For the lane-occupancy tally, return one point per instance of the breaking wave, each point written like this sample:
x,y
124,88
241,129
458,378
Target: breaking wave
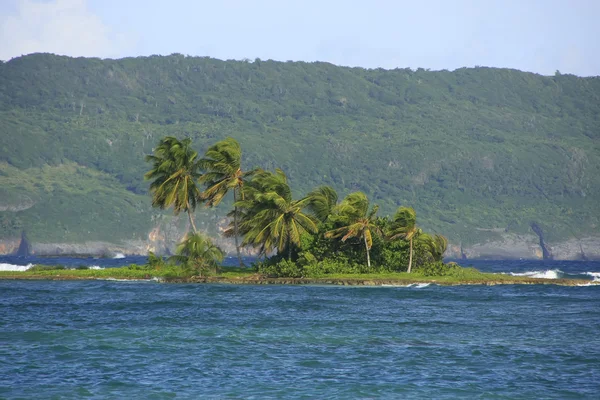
x,y
419,285
595,275
547,274
13,267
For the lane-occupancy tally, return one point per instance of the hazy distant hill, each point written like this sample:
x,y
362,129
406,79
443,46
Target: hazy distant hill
x,y
477,152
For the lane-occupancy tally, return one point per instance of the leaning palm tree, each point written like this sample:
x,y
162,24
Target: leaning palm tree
x,y
198,254
404,225
353,213
223,172
433,246
272,219
322,201
175,173
440,244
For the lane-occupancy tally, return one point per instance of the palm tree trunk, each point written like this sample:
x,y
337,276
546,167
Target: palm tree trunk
x,y
410,256
189,212
367,247
235,230
289,249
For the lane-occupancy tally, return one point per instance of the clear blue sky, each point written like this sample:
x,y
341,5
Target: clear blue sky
x,y
533,35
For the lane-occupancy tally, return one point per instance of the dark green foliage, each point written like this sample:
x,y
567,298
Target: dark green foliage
x,y
436,268
475,151
197,254
175,173
137,267
280,268
39,267
156,262
222,166
270,219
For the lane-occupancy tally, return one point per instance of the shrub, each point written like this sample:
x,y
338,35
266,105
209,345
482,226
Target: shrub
x,y
38,268
281,269
136,267
156,262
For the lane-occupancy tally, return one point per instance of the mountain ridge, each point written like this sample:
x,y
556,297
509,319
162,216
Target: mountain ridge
x,y
469,149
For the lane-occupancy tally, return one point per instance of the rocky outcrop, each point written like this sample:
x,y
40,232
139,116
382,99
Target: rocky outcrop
x,y
9,246
169,230
546,252
513,246
24,247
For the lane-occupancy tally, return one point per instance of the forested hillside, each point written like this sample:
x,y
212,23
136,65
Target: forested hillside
x,y
476,151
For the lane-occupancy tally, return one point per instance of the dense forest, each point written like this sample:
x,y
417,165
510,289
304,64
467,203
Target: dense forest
x,y
475,151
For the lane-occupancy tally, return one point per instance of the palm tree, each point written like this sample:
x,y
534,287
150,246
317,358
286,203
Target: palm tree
x,y
223,172
353,212
197,253
271,218
175,171
436,245
322,201
404,225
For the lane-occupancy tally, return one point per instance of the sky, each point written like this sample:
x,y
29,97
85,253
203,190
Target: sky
x,y
540,36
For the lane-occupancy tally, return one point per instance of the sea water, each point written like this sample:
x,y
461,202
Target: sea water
x,y
106,339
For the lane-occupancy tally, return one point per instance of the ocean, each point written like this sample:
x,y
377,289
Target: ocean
x,y
112,339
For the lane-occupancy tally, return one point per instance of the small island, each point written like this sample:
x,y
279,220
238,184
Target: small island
x,y
315,239
248,276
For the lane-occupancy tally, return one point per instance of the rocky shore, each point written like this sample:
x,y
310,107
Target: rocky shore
x,y
165,237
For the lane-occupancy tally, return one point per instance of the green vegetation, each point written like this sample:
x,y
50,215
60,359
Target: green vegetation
x,y
358,222
222,165
305,242
197,255
175,170
405,226
270,218
229,275
476,151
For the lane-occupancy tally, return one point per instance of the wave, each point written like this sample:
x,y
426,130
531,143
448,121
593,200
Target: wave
x,y
547,274
410,285
419,285
119,255
95,267
13,267
595,276
130,280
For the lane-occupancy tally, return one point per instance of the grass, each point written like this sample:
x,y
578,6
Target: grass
x,y
115,273
462,276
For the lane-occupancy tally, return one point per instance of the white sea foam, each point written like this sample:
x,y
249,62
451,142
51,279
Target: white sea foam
x,y
119,255
419,285
13,267
95,267
126,280
594,275
547,274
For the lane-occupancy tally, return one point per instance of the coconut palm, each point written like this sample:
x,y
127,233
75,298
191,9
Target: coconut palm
x,y
175,173
353,213
404,225
271,218
440,244
322,201
435,245
223,172
197,253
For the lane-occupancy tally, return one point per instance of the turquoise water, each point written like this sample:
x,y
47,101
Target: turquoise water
x,y
107,339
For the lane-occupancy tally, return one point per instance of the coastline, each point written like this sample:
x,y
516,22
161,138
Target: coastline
x,y
496,279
